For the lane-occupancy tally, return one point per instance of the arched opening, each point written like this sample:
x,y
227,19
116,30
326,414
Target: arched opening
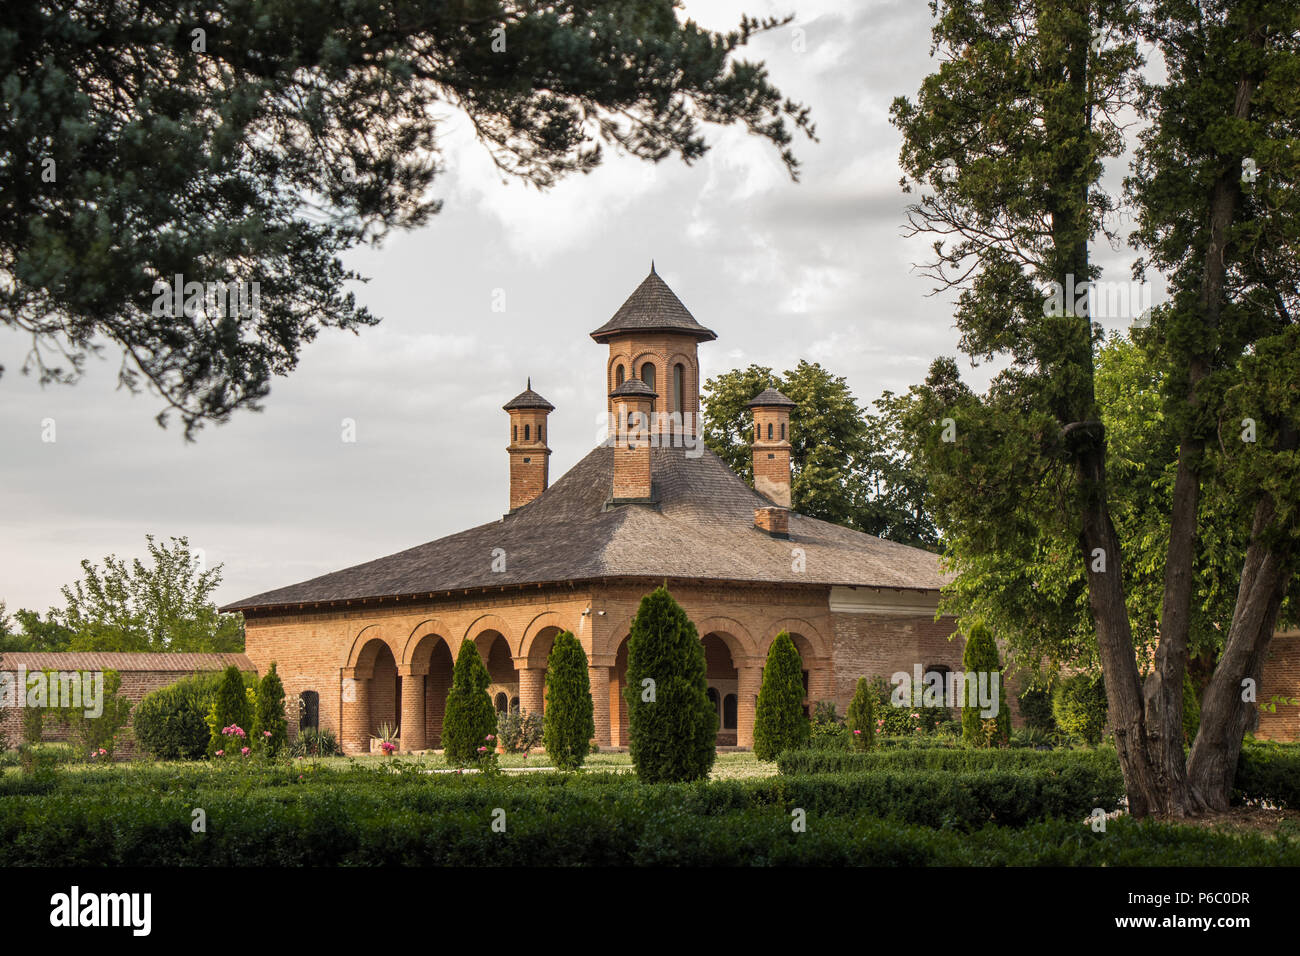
x,y
783,431
723,679
729,712
769,431
679,387
527,428
648,376
433,652
717,704
309,710
514,433
385,690
501,703
618,375
539,651
503,679
805,649
617,705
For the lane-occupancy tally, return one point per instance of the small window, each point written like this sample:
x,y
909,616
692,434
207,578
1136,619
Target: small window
x,y
679,378
526,429
769,431
648,376
308,710
540,426
783,431
501,703
514,433
618,376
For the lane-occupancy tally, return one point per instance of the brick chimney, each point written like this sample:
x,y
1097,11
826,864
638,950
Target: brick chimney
x,y
529,456
632,402
771,447
775,521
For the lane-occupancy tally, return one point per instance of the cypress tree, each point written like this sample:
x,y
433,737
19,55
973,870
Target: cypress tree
x,y
570,713
672,727
469,716
779,721
981,657
269,714
862,716
230,708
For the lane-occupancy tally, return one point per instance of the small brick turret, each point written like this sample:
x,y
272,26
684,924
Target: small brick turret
x,y
631,439
771,447
529,455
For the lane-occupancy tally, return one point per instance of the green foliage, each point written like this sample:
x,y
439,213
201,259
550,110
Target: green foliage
x,y
672,726
170,723
92,734
160,607
779,721
1036,708
570,713
469,716
230,708
311,742
520,732
862,716
826,729
270,727
847,465
1079,706
981,657
298,131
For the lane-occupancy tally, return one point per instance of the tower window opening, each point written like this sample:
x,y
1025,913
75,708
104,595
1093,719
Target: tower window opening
x,y
679,377
648,376
769,430
526,430
783,431
618,376
514,433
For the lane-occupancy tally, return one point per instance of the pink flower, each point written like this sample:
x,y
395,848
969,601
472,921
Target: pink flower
x,y
857,731
266,733
93,754
481,749
221,753
244,751
103,752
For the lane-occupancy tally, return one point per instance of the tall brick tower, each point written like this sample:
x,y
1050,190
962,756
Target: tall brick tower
x,y
654,338
529,455
771,447
632,401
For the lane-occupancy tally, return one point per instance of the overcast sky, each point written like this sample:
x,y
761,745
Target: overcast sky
x,y
781,271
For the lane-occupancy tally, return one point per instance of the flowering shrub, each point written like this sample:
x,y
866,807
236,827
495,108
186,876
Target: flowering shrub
x,y
233,738
487,755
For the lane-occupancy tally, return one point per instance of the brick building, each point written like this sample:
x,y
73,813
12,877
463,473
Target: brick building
x,y
375,643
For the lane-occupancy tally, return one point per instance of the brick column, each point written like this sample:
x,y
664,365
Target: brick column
x,y
750,679
411,716
599,674
436,687
356,728
532,685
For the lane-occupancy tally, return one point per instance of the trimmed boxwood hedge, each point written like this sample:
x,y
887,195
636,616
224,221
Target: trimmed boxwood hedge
x,y
272,817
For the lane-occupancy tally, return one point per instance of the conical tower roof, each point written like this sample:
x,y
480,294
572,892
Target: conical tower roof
x,y
653,307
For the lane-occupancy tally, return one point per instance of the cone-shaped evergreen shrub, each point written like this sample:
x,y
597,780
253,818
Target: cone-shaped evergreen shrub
x,y
230,708
779,721
672,726
269,714
570,714
981,658
469,716
1079,705
861,718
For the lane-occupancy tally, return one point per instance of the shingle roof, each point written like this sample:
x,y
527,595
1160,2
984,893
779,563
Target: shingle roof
x,y
634,386
121,661
702,527
770,398
653,307
528,399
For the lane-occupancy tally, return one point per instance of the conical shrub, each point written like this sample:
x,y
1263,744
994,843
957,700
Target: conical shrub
x,y
861,717
779,721
469,716
570,714
981,657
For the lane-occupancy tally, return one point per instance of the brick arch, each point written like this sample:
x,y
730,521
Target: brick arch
x,y
488,622
538,624
795,625
358,654
614,361
734,634
615,637
433,626
690,385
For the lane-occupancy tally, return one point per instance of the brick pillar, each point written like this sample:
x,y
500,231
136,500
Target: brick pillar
x,y
599,674
356,711
411,716
750,678
532,685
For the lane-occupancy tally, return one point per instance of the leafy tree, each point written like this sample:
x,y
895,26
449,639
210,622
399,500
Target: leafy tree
x,y
980,657
38,635
90,734
170,723
230,708
570,714
779,721
469,716
130,606
268,714
847,465
862,715
1029,462
222,142
672,726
